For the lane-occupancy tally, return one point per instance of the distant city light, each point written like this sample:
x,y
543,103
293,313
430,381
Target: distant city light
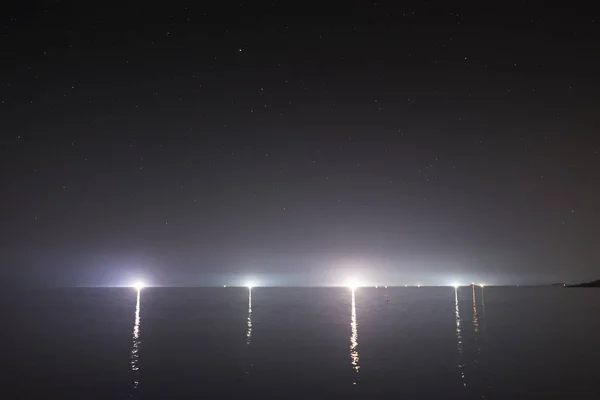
x,y
481,285
249,285
139,285
456,285
418,285
224,285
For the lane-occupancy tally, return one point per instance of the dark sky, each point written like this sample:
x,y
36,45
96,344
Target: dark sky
x,y
184,144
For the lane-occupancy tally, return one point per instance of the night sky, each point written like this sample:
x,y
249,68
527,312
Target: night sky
x,y
298,144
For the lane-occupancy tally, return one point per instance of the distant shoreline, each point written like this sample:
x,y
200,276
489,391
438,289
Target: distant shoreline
x,y
592,284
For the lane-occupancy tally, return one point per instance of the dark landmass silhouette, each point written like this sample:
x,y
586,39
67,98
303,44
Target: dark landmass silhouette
x,y
595,283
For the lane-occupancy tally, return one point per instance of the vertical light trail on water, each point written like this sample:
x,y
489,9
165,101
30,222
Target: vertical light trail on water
x,y
475,317
459,342
477,369
135,348
483,305
249,323
354,339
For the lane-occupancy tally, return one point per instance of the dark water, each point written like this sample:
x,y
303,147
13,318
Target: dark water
x,y
303,343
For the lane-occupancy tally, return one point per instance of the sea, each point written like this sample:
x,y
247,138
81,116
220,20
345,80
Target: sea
x,y
302,343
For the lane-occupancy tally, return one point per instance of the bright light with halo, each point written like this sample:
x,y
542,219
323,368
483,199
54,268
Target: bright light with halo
x,y
352,283
139,285
456,285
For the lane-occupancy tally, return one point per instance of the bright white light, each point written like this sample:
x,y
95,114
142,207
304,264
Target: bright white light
x,y
481,284
352,283
456,285
419,285
139,285
249,285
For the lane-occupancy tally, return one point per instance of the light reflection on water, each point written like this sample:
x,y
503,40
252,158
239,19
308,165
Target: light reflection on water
x,y
193,344
478,340
483,305
135,348
249,322
354,339
475,318
459,341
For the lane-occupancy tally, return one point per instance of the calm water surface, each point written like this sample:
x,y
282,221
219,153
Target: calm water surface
x,y
304,343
